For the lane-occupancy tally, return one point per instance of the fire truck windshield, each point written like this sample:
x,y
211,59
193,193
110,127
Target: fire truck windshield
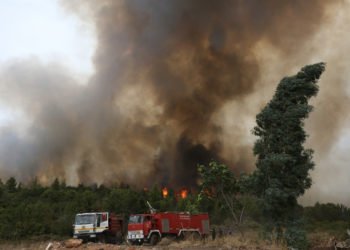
x,y
134,219
85,219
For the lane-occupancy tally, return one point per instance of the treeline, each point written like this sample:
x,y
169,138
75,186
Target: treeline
x,y
34,210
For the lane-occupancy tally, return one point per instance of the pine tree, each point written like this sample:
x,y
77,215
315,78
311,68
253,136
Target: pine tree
x,y
11,185
283,164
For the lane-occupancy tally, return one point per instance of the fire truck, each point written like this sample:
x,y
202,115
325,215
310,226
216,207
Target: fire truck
x,y
99,226
151,228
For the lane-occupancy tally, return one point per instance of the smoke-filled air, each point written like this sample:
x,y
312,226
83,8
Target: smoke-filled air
x,y
176,84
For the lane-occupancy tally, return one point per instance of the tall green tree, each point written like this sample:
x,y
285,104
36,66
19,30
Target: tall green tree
x,y
283,163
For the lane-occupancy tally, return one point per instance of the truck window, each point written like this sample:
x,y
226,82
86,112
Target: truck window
x,y
84,219
134,219
104,217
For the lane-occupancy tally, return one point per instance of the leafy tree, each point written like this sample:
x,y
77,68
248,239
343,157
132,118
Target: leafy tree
x,y
154,196
283,164
124,201
218,182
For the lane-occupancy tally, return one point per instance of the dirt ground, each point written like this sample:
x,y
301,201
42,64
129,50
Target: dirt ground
x,y
100,246
229,242
224,243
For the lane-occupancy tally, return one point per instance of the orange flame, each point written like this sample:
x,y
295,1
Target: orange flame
x,y
210,194
184,193
145,189
165,192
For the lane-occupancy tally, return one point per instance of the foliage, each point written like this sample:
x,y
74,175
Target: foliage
x,y
36,211
327,212
295,236
283,164
218,183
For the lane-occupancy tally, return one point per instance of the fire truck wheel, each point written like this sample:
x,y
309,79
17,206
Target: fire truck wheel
x,y
118,239
196,236
154,239
181,237
136,243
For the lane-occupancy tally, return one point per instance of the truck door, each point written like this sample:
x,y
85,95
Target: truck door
x,y
104,221
147,225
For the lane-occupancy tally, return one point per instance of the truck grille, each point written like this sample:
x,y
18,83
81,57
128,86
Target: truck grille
x,y
138,234
83,231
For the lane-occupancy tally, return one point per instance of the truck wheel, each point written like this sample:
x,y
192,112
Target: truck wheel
x,y
136,243
181,237
196,236
118,239
154,239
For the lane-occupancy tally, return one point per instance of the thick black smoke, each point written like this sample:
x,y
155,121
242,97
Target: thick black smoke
x,y
164,71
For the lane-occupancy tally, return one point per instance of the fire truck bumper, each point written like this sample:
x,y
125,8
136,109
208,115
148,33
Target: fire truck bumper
x,y
135,237
84,236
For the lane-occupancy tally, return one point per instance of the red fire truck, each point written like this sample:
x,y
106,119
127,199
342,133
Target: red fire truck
x,y
154,226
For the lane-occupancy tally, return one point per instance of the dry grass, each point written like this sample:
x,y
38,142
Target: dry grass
x,y
251,240
320,240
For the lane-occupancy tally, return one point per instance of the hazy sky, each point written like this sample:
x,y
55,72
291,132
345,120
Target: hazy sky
x,y
42,29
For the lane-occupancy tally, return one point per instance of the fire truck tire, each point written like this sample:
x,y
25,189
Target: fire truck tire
x,y
196,236
118,239
181,237
154,239
136,243
185,235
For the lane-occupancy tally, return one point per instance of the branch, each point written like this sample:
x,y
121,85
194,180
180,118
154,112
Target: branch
x,y
229,205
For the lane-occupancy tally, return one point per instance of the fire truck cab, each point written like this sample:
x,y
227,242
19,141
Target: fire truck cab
x,y
99,226
152,228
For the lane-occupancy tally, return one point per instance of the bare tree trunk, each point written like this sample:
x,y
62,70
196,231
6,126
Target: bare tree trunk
x,y
230,205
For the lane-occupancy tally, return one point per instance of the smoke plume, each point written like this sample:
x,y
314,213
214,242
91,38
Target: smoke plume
x,y
177,83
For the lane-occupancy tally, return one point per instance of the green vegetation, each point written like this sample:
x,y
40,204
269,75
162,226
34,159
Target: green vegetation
x,y
33,210
283,164
219,185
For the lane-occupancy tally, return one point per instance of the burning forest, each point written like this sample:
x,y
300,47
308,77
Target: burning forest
x,y
175,84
